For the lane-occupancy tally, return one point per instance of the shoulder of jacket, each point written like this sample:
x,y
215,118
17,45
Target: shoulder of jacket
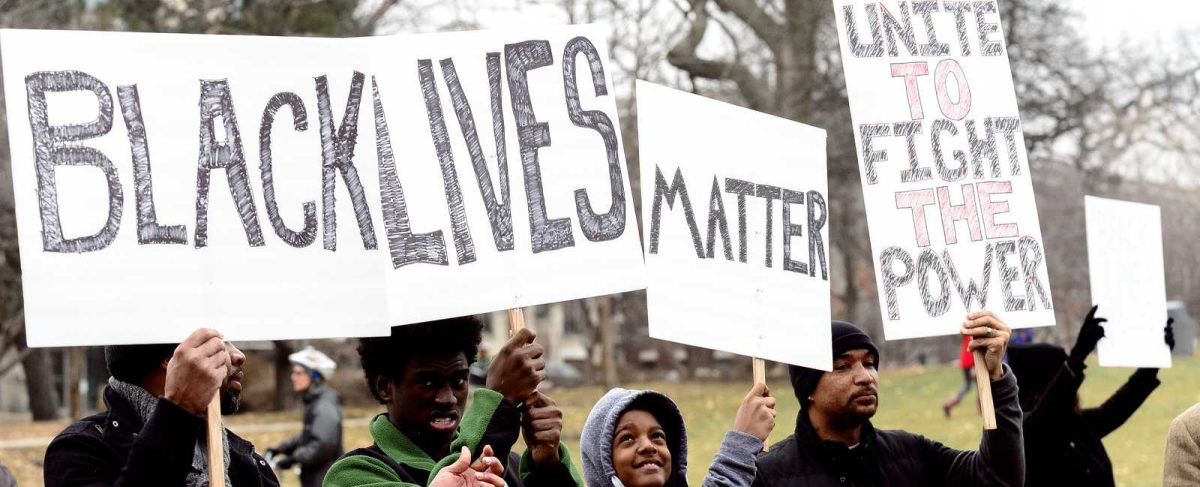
x,y
900,439
1188,420
1192,414
84,437
91,426
781,453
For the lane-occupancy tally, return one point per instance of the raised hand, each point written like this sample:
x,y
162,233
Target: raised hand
x,y
756,415
990,335
1169,333
196,370
542,425
517,370
1090,334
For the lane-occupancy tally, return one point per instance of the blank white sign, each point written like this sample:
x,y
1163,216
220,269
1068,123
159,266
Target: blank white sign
x,y
1125,262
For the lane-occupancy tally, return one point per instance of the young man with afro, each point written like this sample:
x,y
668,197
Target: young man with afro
x,y
420,373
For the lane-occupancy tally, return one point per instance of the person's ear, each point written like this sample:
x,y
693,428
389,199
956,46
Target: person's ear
x,y
383,386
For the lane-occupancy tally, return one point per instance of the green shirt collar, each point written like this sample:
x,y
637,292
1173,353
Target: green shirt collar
x,y
398,446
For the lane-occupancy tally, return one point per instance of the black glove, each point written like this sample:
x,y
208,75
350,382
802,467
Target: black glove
x,y
1090,334
1169,331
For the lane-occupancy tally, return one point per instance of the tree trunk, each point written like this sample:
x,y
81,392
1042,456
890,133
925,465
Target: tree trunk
x,y
97,377
283,372
74,376
608,341
39,384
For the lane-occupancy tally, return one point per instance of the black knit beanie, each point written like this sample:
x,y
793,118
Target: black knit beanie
x,y
846,337
132,363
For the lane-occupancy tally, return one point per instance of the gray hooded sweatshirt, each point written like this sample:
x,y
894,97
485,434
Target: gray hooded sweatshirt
x,y
732,467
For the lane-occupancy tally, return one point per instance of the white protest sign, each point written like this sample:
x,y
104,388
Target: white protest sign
x,y
942,159
1125,264
564,226
112,255
261,145
735,223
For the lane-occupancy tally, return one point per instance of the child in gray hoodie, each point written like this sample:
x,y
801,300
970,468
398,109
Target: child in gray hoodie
x,y
638,439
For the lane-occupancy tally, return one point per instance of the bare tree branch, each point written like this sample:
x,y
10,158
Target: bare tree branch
x,y
17,361
766,28
683,56
368,25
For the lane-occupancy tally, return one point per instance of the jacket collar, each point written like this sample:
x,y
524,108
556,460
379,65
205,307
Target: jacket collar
x,y
835,457
398,446
121,424
314,391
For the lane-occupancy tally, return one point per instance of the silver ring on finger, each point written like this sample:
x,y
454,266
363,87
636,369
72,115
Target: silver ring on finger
x,y
990,332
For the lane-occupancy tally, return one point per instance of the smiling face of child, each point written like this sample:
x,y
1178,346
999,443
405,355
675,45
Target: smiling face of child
x,y
639,450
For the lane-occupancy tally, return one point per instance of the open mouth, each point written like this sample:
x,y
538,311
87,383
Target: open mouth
x,y
444,422
649,465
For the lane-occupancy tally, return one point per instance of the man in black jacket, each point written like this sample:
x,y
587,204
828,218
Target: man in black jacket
x,y
1063,442
154,430
319,444
836,445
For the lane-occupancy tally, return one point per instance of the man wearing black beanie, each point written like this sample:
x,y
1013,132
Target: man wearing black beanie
x,y
836,445
153,432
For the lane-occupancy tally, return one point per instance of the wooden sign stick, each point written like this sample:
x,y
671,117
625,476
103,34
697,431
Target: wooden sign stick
x,y
760,371
983,385
760,376
516,321
216,448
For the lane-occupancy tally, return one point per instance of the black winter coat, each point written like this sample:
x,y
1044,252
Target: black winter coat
x,y
1063,446
114,448
320,443
896,458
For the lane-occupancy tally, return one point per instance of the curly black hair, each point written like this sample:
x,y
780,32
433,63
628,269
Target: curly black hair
x,y
387,356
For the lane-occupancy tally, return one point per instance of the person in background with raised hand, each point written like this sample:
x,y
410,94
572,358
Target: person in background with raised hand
x,y
1062,441
154,430
836,445
319,443
638,439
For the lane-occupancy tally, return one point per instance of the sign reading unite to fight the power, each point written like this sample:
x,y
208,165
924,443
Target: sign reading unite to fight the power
x,y
278,188
942,160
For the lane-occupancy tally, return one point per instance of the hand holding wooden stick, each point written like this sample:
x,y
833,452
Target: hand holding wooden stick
x,y
989,341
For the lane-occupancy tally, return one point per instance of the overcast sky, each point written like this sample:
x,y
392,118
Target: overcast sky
x,y
1110,21
1104,21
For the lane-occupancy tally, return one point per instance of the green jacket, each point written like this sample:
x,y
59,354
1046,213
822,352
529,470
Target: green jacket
x,y
395,461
